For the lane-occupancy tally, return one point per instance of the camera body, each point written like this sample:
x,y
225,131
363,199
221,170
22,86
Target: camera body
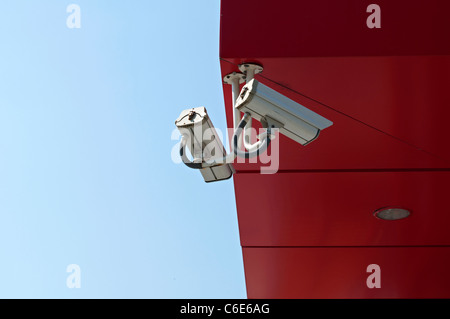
x,y
276,110
203,143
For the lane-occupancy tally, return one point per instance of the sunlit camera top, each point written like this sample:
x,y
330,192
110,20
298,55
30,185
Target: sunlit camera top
x,y
191,117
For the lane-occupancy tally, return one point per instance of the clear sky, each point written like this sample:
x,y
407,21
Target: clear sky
x,y
86,175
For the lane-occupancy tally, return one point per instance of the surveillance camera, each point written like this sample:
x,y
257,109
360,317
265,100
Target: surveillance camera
x,y
199,135
273,109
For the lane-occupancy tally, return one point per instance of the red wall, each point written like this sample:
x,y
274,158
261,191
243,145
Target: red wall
x,y
309,231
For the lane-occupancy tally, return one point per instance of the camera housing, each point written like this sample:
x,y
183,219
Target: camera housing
x,y
200,137
275,110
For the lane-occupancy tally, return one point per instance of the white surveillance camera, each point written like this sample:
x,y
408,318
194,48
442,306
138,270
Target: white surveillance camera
x,y
208,152
275,110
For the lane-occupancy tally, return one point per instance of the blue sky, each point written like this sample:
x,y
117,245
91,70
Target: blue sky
x,y
86,175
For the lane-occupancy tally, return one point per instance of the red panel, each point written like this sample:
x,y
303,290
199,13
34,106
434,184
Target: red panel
x,y
350,143
404,97
286,28
335,209
406,272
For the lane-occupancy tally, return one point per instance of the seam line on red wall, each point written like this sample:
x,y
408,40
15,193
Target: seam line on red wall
x,y
392,246
376,170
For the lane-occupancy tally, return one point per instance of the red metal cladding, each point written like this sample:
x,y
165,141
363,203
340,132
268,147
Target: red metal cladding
x,y
309,231
405,272
336,208
376,98
287,28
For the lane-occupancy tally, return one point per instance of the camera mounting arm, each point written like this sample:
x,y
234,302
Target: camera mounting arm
x,y
255,149
250,69
263,143
196,163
